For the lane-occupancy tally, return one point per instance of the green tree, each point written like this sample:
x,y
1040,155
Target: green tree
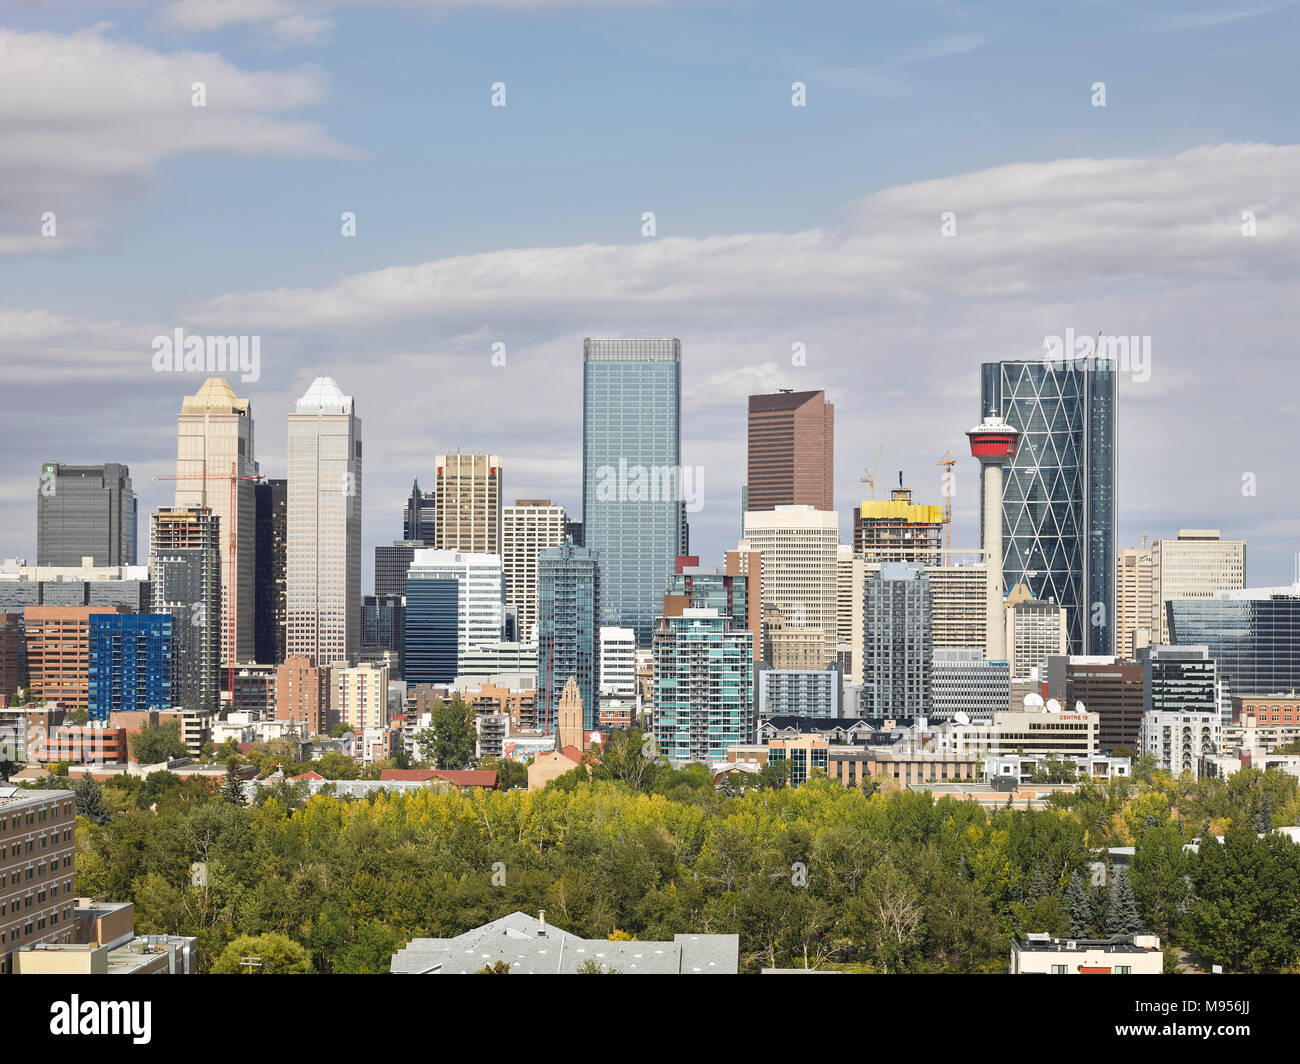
x,y
450,739
232,789
1160,879
629,757
1122,913
267,954
591,966
370,951
156,744
89,798
510,774
1052,769
156,787
1078,907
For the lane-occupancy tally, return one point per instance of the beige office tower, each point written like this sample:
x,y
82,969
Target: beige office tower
x,y
1195,565
323,527
214,450
849,613
467,503
1133,624
1034,631
527,527
800,562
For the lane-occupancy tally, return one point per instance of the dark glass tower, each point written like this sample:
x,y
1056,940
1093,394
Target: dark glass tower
x,y
633,515
430,642
85,512
1253,635
1058,492
418,516
272,498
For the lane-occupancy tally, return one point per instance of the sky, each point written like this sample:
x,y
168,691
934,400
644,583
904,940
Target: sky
x,y
950,192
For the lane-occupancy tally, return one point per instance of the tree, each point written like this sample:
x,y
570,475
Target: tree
x,y
450,739
591,966
1160,879
1122,913
629,757
268,954
155,787
1078,906
510,774
157,744
1052,769
232,790
495,968
89,798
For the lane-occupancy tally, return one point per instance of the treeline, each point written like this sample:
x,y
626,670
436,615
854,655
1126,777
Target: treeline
x,y
819,875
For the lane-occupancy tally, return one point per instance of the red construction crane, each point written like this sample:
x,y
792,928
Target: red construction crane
x,y
233,577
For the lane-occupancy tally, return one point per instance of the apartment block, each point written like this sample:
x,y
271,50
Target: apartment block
x,y
302,693
58,653
36,856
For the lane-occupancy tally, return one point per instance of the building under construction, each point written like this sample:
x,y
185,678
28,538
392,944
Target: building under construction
x,y
898,530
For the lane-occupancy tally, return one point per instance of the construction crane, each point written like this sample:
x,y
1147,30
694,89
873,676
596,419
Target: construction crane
x,y
947,461
233,582
869,475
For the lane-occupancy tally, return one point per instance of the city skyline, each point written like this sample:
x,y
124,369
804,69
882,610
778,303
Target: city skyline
x,y
1123,220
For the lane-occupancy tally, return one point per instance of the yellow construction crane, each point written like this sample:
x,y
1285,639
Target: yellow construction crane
x,y
947,461
869,477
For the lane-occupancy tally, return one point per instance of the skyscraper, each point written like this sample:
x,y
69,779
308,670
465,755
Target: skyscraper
x,y
527,528
392,560
185,560
1253,635
896,660
323,572
800,552
703,686
1058,496
480,597
633,513
569,592
214,443
85,512
898,530
791,451
269,580
418,520
732,589
1134,620
467,503
1195,565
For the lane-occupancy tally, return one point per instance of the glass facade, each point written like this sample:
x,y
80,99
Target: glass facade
x,y
703,686
432,627
130,663
570,589
1178,680
898,642
632,509
1058,493
85,512
1253,636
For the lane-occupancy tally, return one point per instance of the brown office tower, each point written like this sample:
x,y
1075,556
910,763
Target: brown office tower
x,y
791,451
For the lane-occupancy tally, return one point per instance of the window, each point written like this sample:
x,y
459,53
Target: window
x,y
1058,969
1123,969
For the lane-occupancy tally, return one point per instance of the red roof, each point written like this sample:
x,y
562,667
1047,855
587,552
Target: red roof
x,y
307,776
468,777
573,754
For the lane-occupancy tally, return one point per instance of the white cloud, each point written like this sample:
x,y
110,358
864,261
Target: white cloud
x,y
88,118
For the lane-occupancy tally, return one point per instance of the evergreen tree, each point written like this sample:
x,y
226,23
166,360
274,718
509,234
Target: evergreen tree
x,y
1122,914
89,797
1079,907
1263,819
232,790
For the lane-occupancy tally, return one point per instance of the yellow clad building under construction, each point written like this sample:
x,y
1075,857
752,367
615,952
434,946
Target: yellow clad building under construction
x,y
898,530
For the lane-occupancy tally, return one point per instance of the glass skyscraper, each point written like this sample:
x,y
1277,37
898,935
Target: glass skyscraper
x,y
1253,635
85,512
633,515
898,638
1058,494
431,643
570,588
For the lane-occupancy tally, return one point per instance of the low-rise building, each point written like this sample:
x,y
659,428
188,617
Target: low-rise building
x,y
105,943
1179,740
1040,954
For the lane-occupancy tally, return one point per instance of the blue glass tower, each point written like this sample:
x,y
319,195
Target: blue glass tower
x,y
432,630
1058,492
1252,634
633,515
569,590
130,663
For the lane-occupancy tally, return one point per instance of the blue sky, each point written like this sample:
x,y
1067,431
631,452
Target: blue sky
x,y
775,224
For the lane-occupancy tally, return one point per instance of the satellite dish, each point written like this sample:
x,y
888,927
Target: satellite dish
x,y
1053,706
1033,701
961,718
1079,707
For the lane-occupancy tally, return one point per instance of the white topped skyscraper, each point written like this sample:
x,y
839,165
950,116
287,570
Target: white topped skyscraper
x,y
323,556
